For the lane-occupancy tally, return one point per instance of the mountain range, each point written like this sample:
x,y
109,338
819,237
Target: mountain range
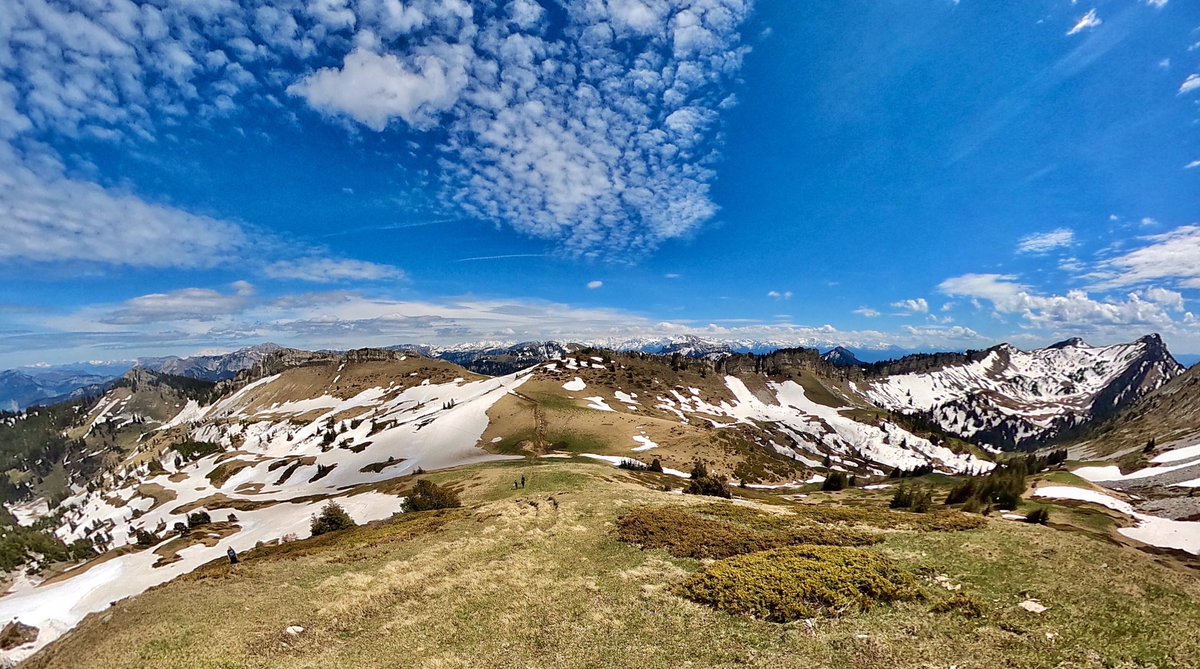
x,y
267,434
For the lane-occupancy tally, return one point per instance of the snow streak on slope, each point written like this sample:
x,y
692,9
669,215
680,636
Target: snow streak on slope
x,y
887,444
781,411
1011,396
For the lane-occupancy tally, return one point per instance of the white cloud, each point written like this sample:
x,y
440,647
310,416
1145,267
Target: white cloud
x,y
373,88
917,306
777,295
1086,22
46,216
1043,242
867,312
1000,289
596,129
1190,84
1075,310
1157,4
332,270
1171,257
189,304
593,285
199,318
1192,165
1167,298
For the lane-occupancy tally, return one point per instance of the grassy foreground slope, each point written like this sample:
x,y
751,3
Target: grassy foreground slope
x,y
538,578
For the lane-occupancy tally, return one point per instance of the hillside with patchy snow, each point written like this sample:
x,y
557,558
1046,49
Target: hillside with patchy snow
x,y
1008,398
261,453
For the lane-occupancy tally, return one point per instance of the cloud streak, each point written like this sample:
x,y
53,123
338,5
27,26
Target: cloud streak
x,y
1043,242
46,216
1086,22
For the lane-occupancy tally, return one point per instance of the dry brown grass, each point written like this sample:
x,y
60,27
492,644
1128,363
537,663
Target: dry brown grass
x,y
537,578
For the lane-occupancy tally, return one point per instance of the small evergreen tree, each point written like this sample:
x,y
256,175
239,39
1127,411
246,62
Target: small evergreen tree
x,y
703,483
198,518
427,495
902,498
835,481
922,500
331,519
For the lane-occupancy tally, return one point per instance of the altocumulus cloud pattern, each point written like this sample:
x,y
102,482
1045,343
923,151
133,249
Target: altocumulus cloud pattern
x,y
594,123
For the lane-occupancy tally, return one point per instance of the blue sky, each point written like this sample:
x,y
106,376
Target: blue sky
x,y
923,174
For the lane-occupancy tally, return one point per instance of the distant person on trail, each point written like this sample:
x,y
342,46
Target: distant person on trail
x,y
522,481
233,558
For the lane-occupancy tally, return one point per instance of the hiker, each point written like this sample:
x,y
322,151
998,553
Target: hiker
x,y
233,558
514,485
522,481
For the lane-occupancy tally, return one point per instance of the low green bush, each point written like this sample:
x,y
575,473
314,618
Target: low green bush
x,y
198,518
834,482
685,534
194,450
797,582
961,603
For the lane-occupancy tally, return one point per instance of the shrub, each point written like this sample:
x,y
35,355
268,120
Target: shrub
x,y
834,482
922,500
902,498
1040,516
963,492
973,505
146,537
948,521
798,582
656,466
633,465
193,450
708,485
198,518
331,519
685,534
703,483
427,495
961,603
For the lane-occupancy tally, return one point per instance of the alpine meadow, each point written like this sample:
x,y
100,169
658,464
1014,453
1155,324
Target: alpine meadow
x,y
599,334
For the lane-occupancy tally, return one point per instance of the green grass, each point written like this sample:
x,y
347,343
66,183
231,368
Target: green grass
x,y
576,442
1061,477
539,578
